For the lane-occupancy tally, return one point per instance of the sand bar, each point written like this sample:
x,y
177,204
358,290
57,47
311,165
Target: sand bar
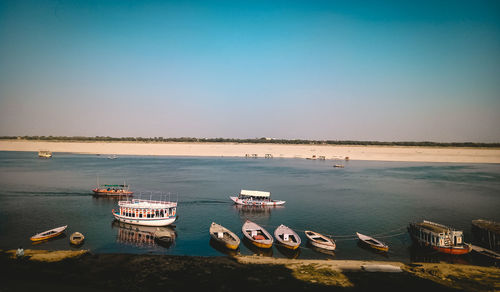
x,y
374,153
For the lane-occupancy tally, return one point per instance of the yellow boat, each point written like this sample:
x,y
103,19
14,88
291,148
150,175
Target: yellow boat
x,y
224,236
372,242
257,235
48,234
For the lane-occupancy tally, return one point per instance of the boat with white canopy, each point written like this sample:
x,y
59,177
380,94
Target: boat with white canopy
x,y
256,198
146,212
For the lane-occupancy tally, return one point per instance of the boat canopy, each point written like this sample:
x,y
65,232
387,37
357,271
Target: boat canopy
x,y
116,186
255,193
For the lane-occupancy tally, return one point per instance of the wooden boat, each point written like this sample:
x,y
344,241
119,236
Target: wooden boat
x,y
224,236
439,237
287,237
320,241
76,238
49,234
257,235
164,235
372,242
255,198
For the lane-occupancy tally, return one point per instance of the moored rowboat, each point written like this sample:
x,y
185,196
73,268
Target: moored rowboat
x,y
224,236
76,238
257,235
320,241
287,237
49,233
372,242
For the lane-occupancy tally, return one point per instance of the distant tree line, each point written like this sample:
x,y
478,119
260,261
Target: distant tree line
x,y
255,140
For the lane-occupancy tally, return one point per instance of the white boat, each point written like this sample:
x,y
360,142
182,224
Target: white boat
x,y
146,212
257,235
320,241
372,242
224,236
49,233
255,198
287,237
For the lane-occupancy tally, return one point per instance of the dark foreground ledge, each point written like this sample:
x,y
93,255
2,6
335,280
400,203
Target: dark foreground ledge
x,y
130,272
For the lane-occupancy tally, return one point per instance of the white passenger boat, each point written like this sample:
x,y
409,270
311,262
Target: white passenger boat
x,y
255,198
146,212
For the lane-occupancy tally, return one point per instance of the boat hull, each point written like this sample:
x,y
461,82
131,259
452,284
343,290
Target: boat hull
x,y
328,243
146,221
40,237
266,242
76,238
231,242
453,250
256,203
111,193
224,243
293,241
260,244
377,245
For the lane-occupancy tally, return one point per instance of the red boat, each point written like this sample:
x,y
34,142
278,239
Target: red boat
x,y
439,237
112,190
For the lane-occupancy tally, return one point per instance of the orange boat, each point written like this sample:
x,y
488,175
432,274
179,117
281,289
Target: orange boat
x,y
113,190
439,237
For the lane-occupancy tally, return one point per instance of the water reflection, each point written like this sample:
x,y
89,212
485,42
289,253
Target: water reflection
x,y
268,252
427,255
367,247
252,212
60,236
222,249
288,253
142,236
320,250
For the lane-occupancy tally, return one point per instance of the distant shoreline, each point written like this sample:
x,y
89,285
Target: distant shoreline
x,y
223,149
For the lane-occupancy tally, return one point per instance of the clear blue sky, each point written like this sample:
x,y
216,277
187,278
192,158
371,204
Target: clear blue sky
x,y
368,70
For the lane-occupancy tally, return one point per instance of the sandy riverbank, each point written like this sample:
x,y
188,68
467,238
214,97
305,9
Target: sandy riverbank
x,y
376,153
80,271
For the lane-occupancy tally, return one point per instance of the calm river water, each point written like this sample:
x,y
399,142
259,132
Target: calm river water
x,y
374,198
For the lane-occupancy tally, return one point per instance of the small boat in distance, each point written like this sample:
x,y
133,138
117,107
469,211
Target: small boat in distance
x,y
146,212
76,238
112,156
372,242
257,235
255,198
439,237
224,236
44,154
287,237
320,241
112,190
48,234
338,165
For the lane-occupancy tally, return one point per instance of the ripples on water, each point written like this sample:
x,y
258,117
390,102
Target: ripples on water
x,y
375,198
